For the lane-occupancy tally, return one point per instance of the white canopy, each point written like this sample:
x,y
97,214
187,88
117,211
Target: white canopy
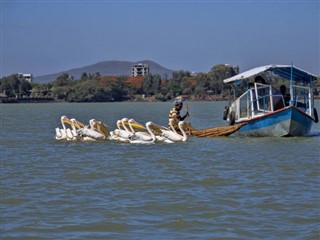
x,y
281,70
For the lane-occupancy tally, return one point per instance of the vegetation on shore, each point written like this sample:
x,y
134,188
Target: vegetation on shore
x,y
96,88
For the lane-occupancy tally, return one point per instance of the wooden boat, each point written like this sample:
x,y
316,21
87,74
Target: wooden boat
x,y
268,112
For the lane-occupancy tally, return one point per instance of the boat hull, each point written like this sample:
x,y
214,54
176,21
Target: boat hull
x,y
286,122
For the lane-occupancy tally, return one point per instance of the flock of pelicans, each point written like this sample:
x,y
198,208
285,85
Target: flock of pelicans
x,y
127,130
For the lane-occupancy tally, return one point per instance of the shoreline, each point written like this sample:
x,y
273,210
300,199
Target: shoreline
x,y
148,99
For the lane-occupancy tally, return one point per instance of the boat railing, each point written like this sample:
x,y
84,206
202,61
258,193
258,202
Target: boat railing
x,y
302,98
263,99
252,103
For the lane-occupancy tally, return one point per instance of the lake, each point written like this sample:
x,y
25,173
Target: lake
x,y
209,188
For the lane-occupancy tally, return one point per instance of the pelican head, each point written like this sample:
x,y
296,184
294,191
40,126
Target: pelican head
x,y
119,124
76,123
92,123
64,119
124,120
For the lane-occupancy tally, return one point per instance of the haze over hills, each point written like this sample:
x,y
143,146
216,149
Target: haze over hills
x,y
106,68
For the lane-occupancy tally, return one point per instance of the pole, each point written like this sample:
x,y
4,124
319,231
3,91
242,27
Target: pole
x,y
187,109
291,84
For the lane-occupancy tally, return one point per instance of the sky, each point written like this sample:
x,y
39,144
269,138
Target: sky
x,y
50,36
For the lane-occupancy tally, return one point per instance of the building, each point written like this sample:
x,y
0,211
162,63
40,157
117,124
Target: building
x,y
25,76
139,69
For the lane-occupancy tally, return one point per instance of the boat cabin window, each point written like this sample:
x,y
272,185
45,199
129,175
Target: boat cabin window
x,y
258,100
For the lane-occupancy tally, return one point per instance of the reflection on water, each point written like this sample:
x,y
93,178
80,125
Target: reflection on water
x,y
230,187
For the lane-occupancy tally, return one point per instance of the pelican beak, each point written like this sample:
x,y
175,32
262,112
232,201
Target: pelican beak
x,y
80,124
157,128
67,121
137,125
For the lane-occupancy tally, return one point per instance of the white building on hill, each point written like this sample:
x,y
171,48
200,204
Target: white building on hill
x,y
25,76
140,69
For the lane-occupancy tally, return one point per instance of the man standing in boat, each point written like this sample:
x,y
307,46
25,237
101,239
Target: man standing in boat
x,y
174,115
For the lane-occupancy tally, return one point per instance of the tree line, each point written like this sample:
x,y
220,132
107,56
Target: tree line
x,y
94,88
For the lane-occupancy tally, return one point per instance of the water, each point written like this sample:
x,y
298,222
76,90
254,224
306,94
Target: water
x,y
219,188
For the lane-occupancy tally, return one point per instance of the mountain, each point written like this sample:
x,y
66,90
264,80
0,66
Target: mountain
x,y
106,68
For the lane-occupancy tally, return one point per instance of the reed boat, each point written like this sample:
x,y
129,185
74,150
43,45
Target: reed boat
x,y
267,111
220,131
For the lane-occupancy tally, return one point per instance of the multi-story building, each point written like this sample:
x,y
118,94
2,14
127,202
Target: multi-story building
x,y
25,76
140,69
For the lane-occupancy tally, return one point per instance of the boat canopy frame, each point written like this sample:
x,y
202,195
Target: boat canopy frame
x,y
288,72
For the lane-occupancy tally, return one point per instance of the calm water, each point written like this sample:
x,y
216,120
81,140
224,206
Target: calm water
x,y
220,188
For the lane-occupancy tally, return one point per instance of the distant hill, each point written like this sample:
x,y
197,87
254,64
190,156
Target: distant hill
x,y
106,68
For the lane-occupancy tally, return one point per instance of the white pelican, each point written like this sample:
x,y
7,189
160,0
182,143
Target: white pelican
x,y
119,134
124,134
124,121
101,128
88,133
171,134
144,140
72,134
61,133
143,136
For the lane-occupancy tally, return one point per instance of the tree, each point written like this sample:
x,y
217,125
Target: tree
x,y
62,80
217,74
84,76
12,86
25,88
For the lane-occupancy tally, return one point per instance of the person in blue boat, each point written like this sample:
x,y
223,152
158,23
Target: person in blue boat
x,y
174,115
264,95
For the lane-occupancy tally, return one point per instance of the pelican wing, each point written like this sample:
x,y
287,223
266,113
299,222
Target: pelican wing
x,y
87,132
158,128
60,134
142,136
172,136
103,128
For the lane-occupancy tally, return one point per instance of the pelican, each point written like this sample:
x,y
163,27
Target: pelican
x,y
171,134
88,133
143,136
144,140
124,121
119,134
72,134
122,133
61,133
102,128
159,138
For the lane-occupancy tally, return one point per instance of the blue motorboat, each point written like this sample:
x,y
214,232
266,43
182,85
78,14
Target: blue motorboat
x,y
266,108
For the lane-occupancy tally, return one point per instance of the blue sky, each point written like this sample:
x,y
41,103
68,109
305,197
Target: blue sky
x,y
43,37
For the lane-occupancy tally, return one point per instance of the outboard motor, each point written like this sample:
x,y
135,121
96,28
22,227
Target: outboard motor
x,y
225,112
232,118
315,114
